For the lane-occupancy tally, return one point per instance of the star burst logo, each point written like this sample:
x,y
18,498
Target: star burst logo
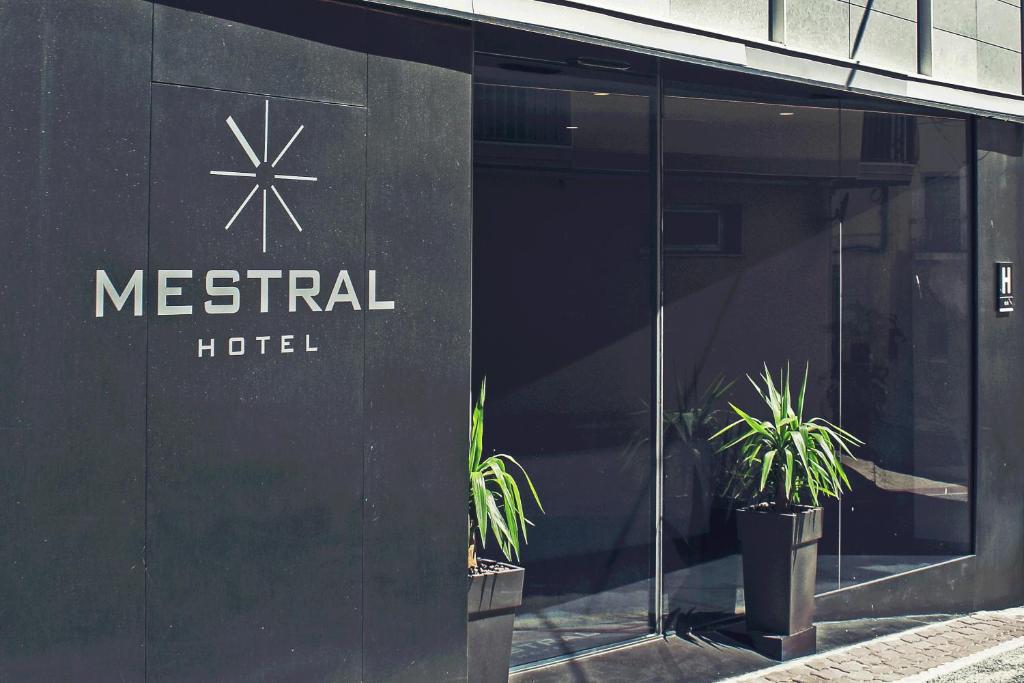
x,y
264,173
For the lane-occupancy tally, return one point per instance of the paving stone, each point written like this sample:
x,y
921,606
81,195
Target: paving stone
x,y
845,667
916,658
907,654
818,664
803,673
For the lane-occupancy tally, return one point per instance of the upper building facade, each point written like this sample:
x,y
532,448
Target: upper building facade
x,y
913,49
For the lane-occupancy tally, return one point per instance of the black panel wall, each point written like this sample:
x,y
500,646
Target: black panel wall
x,y
417,362
176,508
251,493
74,139
999,478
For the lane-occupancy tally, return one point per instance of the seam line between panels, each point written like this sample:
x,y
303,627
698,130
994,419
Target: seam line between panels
x,y
362,493
145,428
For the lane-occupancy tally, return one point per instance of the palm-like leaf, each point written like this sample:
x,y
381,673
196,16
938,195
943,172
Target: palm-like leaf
x,y
792,455
495,501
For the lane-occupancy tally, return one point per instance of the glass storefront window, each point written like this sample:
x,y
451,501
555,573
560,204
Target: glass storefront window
x,y
768,298
796,228
906,341
841,239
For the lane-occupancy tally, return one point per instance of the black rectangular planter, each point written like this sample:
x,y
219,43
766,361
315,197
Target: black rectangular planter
x,y
780,560
493,599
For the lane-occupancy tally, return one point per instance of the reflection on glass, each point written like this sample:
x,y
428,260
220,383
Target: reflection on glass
x,y
790,237
562,329
791,234
748,279
906,355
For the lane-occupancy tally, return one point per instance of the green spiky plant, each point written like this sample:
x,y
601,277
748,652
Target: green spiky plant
x,y
495,502
786,453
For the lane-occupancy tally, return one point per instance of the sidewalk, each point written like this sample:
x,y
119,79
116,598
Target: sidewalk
x,y
974,644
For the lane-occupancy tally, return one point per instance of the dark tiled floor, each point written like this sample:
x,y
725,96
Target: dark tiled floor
x,y
703,657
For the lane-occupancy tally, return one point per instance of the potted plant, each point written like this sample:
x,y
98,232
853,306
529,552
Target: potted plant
x,y
495,588
788,462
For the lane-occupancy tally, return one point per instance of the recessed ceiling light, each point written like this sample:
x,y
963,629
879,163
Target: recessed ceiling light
x,y
572,127
786,113
600,94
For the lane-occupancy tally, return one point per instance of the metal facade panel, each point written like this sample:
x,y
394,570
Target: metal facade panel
x,y
254,493
417,390
999,475
74,130
312,51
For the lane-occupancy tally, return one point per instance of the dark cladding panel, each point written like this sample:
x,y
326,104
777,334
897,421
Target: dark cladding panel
x,y
999,507
938,589
307,50
418,359
74,130
255,459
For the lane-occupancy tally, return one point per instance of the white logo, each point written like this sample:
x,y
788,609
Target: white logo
x,y
264,173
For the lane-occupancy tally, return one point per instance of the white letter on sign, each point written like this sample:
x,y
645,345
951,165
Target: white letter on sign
x,y
375,305
206,347
165,291
104,287
215,290
343,282
295,292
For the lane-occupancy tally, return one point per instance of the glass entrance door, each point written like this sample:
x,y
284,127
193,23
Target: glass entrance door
x,y
563,273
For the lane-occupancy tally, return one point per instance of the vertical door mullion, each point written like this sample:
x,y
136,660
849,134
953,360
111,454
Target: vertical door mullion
x,y
659,381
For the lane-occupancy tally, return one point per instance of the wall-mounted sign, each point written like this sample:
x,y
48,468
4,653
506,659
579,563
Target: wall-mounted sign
x,y
1004,287
264,171
256,228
